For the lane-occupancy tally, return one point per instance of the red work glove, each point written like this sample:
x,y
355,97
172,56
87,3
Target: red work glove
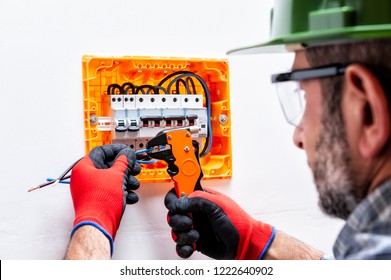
x,y
101,185
217,227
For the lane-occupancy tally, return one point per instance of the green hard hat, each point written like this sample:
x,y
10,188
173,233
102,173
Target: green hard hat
x,y
302,23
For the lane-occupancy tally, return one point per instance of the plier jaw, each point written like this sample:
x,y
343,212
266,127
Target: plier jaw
x,y
181,152
159,140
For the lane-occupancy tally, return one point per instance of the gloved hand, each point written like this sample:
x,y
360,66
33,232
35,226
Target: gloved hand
x,y
101,185
215,225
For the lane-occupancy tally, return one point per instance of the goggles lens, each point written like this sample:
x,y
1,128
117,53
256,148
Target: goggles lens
x,y
290,94
292,101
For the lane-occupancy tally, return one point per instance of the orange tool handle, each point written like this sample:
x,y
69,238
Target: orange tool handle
x,y
189,170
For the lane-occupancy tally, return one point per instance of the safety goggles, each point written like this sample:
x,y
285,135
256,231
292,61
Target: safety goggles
x,y
290,94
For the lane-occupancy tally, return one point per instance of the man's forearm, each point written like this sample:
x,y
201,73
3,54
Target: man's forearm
x,y
88,243
285,247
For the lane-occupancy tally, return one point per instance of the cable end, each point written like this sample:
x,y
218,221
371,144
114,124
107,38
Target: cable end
x,y
33,188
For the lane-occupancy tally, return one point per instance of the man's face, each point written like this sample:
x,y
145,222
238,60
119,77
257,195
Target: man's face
x,y
322,136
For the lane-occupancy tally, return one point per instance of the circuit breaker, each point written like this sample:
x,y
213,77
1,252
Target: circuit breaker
x,y
135,119
129,100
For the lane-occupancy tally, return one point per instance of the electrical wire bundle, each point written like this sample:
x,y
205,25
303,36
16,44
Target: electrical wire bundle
x,y
171,84
63,178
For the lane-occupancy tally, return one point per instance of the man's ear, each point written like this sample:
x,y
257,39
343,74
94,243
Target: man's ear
x,y
370,109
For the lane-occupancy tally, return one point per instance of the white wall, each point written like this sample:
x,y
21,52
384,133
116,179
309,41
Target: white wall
x,y
41,45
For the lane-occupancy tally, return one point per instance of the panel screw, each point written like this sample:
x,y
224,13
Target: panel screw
x,y
223,119
169,137
93,119
187,149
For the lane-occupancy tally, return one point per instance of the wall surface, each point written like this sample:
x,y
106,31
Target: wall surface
x,y
41,45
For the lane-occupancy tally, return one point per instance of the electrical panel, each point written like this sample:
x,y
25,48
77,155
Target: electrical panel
x,y
131,99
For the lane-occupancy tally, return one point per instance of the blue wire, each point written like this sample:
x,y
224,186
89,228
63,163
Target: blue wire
x,y
144,151
148,150
61,182
139,161
152,161
147,161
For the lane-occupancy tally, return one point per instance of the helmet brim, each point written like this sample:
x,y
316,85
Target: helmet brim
x,y
303,40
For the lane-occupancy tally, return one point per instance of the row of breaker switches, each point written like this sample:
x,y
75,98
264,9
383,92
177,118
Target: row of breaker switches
x,y
156,121
137,118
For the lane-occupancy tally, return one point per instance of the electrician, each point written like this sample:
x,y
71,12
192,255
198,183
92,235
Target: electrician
x,y
338,98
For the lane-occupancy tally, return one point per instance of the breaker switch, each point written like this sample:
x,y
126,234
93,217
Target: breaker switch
x,y
191,119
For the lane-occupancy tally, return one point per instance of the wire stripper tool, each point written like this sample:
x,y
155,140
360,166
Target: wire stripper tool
x,y
178,149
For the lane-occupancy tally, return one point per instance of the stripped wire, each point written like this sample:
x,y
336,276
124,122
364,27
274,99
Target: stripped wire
x,y
62,179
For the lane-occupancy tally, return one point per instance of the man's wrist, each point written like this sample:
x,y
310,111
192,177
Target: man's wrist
x,y
285,247
88,243
98,227
268,244
262,236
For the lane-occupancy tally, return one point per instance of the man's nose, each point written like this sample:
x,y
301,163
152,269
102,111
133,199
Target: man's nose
x,y
297,137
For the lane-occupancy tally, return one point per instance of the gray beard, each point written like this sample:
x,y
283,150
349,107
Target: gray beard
x,y
332,173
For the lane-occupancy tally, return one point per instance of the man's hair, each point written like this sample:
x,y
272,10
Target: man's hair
x,y
374,54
